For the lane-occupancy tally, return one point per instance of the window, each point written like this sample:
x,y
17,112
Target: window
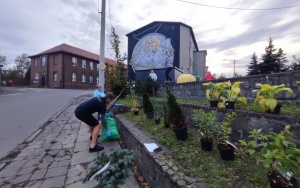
x,y
74,61
43,61
55,76
73,77
97,79
97,67
91,65
84,64
91,79
83,79
35,62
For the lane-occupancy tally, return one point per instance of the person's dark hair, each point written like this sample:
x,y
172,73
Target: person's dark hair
x,y
109,95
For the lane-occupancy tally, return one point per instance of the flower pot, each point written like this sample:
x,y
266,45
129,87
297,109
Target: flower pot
x,y
276,109
276,180
206,143
213,103
167,125
181,133
229,105
157,120
226,152
150,115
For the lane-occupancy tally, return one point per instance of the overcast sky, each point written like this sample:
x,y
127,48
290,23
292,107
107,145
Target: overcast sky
x,y
230,32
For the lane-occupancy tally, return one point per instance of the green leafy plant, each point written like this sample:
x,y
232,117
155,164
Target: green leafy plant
x,y
232,93
175,115
224,128
275,151
205,121
111,169
214,91
266,95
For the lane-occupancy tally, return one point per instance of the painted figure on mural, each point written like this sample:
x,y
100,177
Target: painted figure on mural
x,y
168,67
152,75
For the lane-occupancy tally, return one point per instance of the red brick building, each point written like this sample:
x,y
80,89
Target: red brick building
x,y
66,66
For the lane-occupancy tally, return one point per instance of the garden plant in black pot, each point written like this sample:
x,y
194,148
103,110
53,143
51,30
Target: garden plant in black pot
x,y
267,95
232,94
205,121
277,152
175,117
214,91
225,147
148,107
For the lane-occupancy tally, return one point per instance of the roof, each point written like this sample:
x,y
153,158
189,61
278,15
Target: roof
x,y
161,22
76,51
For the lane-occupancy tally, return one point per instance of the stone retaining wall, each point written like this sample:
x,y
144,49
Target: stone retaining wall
x,y
195,90
159,169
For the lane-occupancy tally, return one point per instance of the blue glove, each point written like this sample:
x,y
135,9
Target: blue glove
x,y
108,133
107,115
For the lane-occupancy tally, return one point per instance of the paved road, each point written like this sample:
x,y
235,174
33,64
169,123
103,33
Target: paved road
x,y
24,110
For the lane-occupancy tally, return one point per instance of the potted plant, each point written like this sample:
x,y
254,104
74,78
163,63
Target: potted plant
x,y
214,92
135,102
225,147
148,107
157,115
175,117
205,121
232,94
266,96
165,109
278,152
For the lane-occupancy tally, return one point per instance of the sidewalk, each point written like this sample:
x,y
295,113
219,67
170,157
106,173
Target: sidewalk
x,y
56,155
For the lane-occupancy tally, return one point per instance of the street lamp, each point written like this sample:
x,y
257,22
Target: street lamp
x,y
234,73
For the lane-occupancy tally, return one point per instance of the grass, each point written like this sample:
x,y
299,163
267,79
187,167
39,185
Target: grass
x,y
243,172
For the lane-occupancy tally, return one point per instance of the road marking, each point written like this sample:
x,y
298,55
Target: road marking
x,y
12,94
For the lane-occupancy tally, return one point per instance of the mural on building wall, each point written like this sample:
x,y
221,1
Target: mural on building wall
x,y
150,52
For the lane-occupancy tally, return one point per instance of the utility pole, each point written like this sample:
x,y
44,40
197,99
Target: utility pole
x,y
102,44
234,74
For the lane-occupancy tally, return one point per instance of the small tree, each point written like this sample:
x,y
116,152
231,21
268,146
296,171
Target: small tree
x,y
117,78
23,64
269,59
175,115
147,105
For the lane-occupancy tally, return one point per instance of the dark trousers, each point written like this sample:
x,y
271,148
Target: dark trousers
x,y
168,70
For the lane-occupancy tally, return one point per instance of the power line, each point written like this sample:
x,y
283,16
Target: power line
x,y
212,6
285,28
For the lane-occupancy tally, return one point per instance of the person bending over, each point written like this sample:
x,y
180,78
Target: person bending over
x,y
84,112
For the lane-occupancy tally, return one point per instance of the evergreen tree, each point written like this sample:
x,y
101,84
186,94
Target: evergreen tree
x,y
281,61
268,64
295,64
253,68
117,78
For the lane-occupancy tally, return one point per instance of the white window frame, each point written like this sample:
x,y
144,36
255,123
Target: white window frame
x,y
83,78
74,61
43,61
91,65
98,67
74,77
83,64
55,76
97,79
91,79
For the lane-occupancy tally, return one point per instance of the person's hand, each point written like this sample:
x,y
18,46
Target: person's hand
x,y
108,133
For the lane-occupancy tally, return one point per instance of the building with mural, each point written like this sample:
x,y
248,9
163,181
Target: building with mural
x,y
66,66
150,46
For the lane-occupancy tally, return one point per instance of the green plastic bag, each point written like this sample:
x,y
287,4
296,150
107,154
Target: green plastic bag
x,y
112,126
